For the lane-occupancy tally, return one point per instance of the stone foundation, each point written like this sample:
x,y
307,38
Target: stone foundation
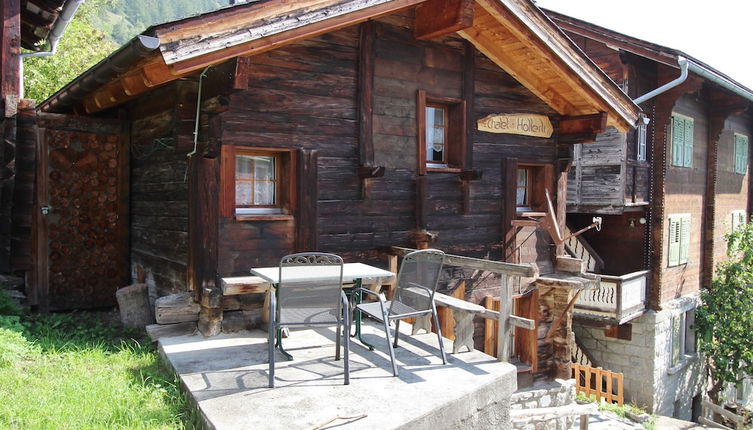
x,y
549,394
650,381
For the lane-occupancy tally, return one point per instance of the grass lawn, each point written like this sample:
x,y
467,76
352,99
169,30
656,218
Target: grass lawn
x,y
82,370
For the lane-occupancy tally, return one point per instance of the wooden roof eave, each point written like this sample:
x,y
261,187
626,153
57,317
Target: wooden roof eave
x,y
586,83
156,70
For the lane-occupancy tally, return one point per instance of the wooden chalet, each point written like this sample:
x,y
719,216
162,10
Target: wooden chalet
x,y
668,192
221,142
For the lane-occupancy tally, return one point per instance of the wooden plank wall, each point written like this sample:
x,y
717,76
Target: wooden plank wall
x,y
161,130
23,194
685,189
305,95
732,189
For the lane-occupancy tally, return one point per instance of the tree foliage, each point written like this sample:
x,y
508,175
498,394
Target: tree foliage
x,y
97,29
724,322
81,47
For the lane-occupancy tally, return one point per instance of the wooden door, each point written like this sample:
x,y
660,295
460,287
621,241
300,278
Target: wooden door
x,y
82,212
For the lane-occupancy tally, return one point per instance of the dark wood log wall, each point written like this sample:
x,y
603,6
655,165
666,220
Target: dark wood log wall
x,y
305,96
161,136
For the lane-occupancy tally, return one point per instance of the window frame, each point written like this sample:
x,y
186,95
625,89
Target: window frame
x,y
681,145
739,217
740,156
540,177
641,143
284,206
683,342
679,234
455,133
250,209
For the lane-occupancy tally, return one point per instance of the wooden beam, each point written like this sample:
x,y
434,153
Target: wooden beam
x,y
308,196
594,124
509,232
527,270
240,77
441,17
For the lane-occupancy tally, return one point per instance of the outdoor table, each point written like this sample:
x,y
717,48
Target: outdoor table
x,y
357,274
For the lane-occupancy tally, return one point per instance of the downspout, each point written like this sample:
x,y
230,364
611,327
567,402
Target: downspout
x,y
61,23
683,63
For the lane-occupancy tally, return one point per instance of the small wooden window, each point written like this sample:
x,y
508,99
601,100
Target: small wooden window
x,y
682,141
436,135
641,142
741,154
522,196
738,219
532,180
256,182
441,133
679,239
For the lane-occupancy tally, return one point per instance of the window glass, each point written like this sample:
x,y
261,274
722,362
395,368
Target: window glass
x,y
255,181
677,340
521,198
436,128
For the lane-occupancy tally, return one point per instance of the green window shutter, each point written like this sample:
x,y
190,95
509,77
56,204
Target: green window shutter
x,y
674,242
678,130
741,154
684,238
688,144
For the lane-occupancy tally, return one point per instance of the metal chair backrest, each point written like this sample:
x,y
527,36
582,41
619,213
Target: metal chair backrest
x,y
419,272
311,296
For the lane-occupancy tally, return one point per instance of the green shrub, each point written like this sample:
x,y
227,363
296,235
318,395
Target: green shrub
x,y
8,306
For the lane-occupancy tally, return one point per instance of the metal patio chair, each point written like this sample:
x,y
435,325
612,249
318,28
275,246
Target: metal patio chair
x,y
414,296
309,294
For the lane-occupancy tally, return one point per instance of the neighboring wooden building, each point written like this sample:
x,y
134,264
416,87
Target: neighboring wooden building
x,y
668,194
26,24
340,126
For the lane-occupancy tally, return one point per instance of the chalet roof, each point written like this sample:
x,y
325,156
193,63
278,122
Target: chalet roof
x,y
661,54
514,34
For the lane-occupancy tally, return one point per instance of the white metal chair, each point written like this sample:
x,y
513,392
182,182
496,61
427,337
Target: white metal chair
x,y
313,297
414,296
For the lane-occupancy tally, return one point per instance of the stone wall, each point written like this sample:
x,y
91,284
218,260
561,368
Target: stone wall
x,y
549,394
649,379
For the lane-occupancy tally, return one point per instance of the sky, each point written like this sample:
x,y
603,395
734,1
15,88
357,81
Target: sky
x,y
718,33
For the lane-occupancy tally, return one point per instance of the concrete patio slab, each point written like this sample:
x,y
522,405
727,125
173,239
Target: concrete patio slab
x,y
227,377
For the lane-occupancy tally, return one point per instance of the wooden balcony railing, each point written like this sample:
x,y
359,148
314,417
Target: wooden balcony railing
x,y
618,299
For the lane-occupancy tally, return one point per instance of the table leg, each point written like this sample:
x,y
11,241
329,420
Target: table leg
x,y
357,314
278,343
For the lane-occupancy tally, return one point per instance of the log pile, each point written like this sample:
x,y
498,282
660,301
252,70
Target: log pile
x,y
84,216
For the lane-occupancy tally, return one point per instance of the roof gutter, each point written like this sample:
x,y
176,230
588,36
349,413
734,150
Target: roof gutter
x,y
722,81
61,23
102,73
684,65
688,65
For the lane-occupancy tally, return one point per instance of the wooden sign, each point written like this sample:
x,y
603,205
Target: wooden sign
x,y
518,123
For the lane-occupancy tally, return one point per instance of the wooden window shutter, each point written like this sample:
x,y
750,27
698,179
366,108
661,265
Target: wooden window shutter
x,y
421,131
678,130
684,238
674,242
741,154
688,143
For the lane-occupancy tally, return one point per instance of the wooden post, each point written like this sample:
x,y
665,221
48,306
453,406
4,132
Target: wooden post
x,y
504,328
366,102
392,267
509,185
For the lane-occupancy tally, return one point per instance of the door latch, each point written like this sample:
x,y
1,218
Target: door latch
x,y
45,210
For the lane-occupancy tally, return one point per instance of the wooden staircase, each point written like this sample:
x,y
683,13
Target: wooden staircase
x,y
577,247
